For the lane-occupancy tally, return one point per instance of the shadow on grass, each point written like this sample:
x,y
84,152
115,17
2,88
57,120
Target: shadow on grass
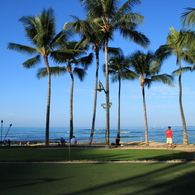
x,y
30,182
22,176
77,179
174,179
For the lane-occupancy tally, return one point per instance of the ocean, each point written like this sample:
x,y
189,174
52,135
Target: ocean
x,y
156,133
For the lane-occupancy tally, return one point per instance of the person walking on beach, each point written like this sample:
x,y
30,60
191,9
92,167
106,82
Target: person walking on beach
x,y
169,135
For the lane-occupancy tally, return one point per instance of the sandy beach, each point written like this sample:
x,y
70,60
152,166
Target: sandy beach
x,y
101,145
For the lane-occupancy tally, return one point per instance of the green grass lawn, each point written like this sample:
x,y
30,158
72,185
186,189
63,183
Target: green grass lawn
x,y
29,177
64,154
99,178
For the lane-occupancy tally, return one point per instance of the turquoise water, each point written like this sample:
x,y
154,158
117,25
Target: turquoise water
x,y
82,134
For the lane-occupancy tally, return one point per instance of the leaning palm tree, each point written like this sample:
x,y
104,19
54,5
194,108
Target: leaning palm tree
x,y
119,70
73,55
40,30
147,68
177,44
110,16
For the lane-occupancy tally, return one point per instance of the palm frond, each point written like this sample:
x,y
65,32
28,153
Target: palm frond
x,y
40,29
21,48
135,36
41,73
56,71
119,67
29,23
113,51
85,61
182,70
78,26
148,82
179,43
81,73
127,7
163,52
147,66
128,75
164,78
62,56
32,62
155,66
60,37
129,20
139,63
188,17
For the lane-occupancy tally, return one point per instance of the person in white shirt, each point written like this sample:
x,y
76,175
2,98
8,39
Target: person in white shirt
x,y
73,141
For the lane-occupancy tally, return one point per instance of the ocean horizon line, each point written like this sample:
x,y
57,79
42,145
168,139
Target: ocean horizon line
x,y
122,127
127,134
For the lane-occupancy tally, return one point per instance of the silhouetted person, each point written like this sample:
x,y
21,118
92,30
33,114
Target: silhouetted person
x,y
118,141
9,142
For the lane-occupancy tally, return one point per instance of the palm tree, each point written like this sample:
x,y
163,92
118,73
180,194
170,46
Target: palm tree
x,y
70,53
119,69
40,30
90,34
147,68
177,44
110,17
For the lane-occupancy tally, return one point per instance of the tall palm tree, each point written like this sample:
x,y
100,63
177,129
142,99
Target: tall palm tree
x,y
40,30
119,69
110,17
90,34
73,55
147,68
177,44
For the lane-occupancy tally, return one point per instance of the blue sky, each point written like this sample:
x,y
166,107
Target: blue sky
x,y
23,96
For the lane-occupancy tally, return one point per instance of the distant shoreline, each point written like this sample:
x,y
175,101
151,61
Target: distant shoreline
x,y
124,145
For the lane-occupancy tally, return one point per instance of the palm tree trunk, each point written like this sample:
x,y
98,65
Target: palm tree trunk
x,y
107,95
119,112
185,135
48,102
145,117
71,106
95,98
